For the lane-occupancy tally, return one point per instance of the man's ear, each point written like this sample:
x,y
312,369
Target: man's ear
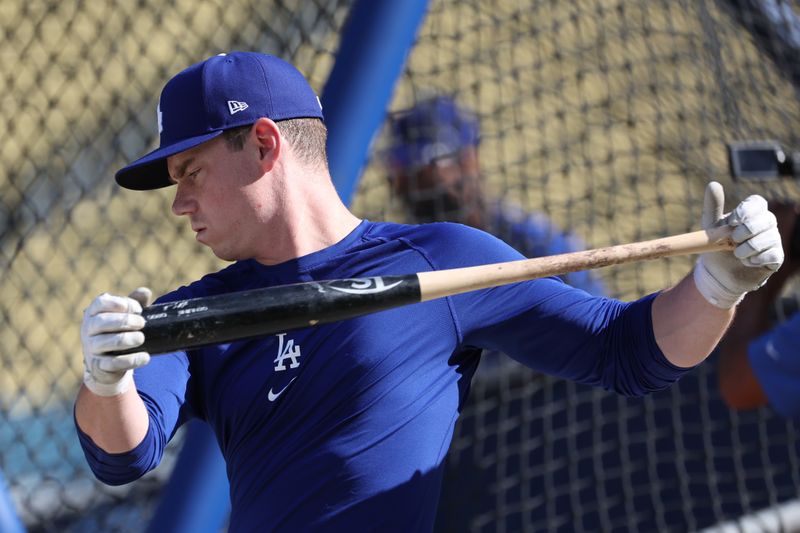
x,y
269,141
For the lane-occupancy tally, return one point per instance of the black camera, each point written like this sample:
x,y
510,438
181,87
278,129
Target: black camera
x,y
764,161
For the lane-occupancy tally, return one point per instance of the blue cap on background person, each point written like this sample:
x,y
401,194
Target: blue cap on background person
x,y
432,129
222,92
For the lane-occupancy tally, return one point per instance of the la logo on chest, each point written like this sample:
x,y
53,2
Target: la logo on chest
x,y
287,350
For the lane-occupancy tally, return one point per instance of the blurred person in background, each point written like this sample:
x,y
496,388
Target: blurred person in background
x,y
434,169
759,359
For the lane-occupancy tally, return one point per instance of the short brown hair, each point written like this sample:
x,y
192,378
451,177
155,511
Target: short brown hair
x,y
307,136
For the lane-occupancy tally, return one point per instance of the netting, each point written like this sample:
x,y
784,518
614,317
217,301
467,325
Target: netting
x,y
607,117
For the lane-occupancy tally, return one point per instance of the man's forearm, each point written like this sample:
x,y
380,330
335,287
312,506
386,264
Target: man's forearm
x,y
686,326
116,424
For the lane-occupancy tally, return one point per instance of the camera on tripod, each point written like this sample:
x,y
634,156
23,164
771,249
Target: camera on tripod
x,y
765,161
762,160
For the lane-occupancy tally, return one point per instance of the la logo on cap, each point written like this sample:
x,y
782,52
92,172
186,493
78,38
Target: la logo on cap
x,y
234,106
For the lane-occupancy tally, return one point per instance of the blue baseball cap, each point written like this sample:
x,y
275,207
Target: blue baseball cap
x,y
432,129
222,92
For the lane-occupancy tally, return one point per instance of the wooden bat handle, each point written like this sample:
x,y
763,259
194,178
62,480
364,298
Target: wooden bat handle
x,y
437,284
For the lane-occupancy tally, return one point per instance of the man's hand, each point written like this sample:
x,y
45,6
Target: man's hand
x,y
112,323
723,278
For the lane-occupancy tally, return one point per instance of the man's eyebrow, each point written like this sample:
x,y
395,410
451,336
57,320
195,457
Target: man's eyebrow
x,y
181,170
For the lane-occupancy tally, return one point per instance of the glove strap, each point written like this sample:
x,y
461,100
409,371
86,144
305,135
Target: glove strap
x,y
108,389
712,290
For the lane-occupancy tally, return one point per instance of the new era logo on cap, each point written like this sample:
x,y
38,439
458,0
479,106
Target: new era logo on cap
x,y
234,106
222,92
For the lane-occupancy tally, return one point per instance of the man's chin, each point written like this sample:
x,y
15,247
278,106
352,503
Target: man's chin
x,y
225,255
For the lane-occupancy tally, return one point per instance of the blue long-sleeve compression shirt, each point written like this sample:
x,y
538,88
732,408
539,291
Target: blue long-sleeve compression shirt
x,y
345,426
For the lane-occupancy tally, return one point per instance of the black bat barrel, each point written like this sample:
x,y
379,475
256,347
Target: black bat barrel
x,y
197,322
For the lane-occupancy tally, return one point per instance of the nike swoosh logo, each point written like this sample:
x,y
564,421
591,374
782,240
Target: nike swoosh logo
x,y
272,396
772,352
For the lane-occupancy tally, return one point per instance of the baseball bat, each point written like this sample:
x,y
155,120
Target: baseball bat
x,y
209,320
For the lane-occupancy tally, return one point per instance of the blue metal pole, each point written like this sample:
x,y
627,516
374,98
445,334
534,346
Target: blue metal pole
x,y
196,498
371,56
9,521
372,51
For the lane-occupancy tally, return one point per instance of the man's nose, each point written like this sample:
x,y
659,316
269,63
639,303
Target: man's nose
x,y
183,203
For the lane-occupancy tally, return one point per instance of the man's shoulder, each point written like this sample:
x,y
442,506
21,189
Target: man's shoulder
x,y
448,244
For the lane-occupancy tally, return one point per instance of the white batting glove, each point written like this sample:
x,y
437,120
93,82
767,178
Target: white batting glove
x,y
112,323
723,278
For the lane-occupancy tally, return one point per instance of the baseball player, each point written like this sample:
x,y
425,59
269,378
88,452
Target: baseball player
x,y
759,363
434,168
345,426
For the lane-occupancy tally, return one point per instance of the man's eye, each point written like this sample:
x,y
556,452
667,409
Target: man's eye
x,y
193,174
